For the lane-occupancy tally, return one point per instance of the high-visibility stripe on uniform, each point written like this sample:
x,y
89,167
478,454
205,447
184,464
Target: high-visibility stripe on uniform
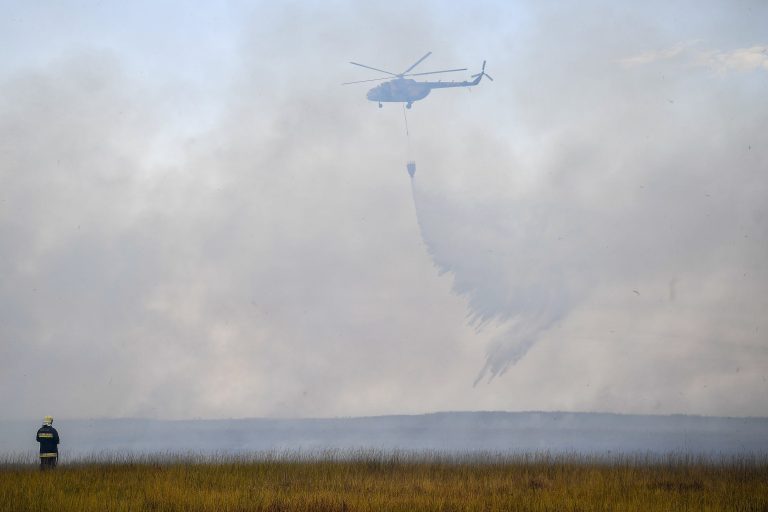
x,y
43,455
47,436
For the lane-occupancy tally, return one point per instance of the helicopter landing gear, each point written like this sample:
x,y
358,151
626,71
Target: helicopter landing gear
x,y
408,105
380,105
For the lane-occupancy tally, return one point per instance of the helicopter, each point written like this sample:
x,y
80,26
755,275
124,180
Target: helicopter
x,y
407,90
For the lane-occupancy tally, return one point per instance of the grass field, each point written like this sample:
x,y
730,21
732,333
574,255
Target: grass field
x,y
402,482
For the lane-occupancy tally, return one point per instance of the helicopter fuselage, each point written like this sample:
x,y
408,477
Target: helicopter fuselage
x,y
406,90
399,90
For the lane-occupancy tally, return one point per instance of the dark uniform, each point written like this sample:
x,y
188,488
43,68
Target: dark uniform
x,y
49,446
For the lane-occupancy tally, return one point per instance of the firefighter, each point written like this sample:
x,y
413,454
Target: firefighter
x,y
49,444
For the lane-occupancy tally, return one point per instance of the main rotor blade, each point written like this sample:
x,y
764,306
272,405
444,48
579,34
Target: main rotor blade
x,y
417,63
369,67
433,72
361,81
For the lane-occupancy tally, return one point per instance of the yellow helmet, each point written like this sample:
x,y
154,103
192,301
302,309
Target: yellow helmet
x,y
48,420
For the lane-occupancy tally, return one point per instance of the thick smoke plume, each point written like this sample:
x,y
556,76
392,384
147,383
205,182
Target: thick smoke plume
x,y
201,222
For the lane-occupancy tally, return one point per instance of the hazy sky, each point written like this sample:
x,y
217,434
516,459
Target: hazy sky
x,y
197,220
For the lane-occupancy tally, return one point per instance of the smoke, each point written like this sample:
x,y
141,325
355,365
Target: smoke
x,y
203,223
656,185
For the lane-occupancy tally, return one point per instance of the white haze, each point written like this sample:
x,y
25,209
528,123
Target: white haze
x,y
196,220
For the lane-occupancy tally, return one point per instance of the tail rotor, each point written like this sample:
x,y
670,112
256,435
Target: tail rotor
x,y
482,73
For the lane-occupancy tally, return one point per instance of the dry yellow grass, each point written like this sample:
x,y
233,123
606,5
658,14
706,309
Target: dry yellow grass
x,y
390,482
